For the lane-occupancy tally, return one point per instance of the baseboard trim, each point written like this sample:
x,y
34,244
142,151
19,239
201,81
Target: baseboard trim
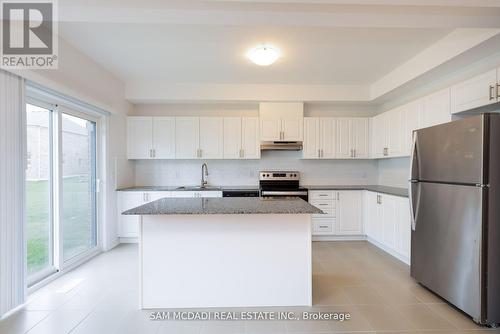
x,y
338,237
389,251
129,240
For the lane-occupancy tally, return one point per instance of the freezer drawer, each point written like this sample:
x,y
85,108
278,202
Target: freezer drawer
x,y
446,242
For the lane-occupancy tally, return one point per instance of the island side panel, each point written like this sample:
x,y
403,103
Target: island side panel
x,y
190,261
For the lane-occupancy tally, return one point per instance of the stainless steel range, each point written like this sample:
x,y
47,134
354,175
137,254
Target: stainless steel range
x,y
281,184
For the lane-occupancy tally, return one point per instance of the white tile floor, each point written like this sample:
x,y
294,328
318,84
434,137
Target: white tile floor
x,y
352,277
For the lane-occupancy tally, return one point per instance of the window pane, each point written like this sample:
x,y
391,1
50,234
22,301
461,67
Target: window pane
x,y
79,185
39,222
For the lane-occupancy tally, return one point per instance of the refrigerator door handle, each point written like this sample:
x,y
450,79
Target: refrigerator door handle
x,y
413,207
413,157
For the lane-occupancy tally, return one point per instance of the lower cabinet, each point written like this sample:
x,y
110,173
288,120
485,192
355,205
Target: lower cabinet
x,y
342,212
128,226
387,223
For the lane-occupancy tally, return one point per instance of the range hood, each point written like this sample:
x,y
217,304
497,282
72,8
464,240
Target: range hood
x,y
281,146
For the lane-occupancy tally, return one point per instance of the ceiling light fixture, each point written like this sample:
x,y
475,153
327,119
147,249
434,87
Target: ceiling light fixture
x,y
263,55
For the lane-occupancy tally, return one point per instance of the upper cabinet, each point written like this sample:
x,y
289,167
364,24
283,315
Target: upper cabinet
x,y
476,92
352,138
335,138
436,108
320,138
281,121
139,137
187,137
392,131
241,138
150,137
164,137
211,142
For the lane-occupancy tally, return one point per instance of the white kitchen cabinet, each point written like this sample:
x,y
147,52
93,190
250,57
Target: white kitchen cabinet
x,y
389,220
394,144
387,223
281,121
403,228
342,212
128,226
474,93
311,144
412,115
250,138
241,138
187,137
436,108
139,139
163,137
211,138
196,194
349,212
352,138
232,137
320,138
378,136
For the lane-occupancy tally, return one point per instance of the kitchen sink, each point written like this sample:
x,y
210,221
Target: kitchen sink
x,y
195,188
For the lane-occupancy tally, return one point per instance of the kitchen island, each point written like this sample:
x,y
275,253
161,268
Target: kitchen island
x,y
225,252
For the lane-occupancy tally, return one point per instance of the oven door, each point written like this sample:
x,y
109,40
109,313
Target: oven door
x,y
284,194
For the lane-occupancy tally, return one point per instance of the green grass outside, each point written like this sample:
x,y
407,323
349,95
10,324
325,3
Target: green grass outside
x,y
76,220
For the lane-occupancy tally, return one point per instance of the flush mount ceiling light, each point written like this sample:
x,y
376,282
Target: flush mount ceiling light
x,y
263,55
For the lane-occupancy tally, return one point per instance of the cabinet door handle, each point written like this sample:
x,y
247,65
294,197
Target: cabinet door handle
x,y
491,92
319,153
322,195
354,153
338,196
322,155
154,153
498,91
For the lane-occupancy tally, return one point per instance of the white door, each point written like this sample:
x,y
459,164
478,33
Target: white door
x,y
139,139
437,108
311,144
395,133
359,137
370,214
377,136
292,128
250,138
328,137
211,137
344,149
164,137
475,92
187,138
349,212
389,221
411,116
403,227
232,138
270,129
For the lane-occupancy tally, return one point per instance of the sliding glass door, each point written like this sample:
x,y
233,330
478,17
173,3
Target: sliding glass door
x,y
39,192
79,213
61,188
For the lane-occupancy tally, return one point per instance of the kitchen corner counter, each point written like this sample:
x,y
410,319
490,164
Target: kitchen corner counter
x,y
224,206
401,192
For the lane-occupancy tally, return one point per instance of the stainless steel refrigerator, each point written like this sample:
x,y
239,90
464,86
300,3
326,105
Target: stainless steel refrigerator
x,y
455,211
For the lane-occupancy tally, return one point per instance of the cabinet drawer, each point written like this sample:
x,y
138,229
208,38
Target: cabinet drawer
x,y
323,226
321,194
327,206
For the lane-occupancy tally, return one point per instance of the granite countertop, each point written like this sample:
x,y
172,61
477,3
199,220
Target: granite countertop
x,y
402,192
224,205
187,188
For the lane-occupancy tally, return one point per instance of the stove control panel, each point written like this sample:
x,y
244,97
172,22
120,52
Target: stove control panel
x,y
274,175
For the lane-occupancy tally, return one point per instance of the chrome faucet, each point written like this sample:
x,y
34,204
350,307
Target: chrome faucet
x,y
204,173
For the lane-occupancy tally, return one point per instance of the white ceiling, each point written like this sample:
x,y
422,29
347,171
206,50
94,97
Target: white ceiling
x,y
324,42
216,54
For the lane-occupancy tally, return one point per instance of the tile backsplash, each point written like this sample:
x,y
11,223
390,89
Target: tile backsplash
x,y
245,172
